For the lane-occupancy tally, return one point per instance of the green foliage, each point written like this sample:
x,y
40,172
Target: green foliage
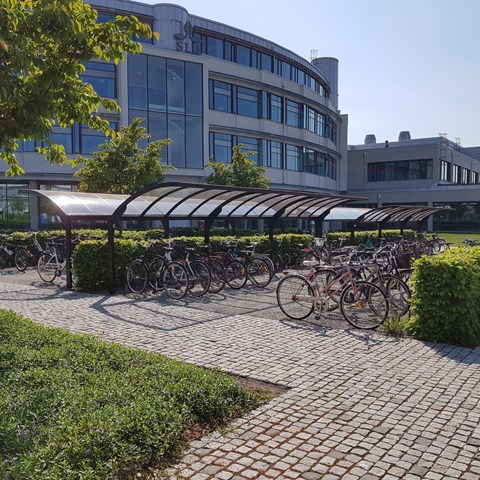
x,y
395,326
73,407
42,49
242,172
361,236
120,165
445,300
93,275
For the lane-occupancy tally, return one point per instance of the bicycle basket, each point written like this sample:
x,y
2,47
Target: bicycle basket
x,y
319,241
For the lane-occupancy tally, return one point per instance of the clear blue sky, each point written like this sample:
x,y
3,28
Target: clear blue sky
x,y
410,65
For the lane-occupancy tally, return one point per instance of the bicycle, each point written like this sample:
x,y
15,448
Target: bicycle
x,y
217,269
25,256
53,262
363,304
160,272
199,274
259,270
279,258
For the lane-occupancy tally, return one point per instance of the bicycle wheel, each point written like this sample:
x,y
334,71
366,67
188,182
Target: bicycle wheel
x,y
218,276
21,259
398,294
364,305
155,268
47,267
277,261
137,276
175,280
295,297
3,259
235,274
199,279
259,271
305,256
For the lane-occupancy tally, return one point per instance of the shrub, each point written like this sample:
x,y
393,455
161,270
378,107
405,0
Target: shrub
x,y
90,263
74,407
445,300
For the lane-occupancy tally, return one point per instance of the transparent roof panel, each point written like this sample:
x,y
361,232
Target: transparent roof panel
x,y
187,200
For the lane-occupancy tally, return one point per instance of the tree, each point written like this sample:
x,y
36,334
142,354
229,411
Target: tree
x,y
242,172
43,44
120,165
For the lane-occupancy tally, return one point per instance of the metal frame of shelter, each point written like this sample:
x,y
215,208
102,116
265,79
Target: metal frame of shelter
x,y
185,201
399,213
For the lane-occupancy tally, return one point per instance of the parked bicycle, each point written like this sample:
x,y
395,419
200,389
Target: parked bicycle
x,y
363,304
160,272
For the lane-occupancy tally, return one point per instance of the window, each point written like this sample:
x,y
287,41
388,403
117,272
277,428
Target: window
x,y
215,47
251,145
333,131
445,171
275,108
255,58
168,94
176,133
14,207
220,96
63,136
309,161
137,81
221,147
243,55
266,62
311,114
157,92
401,170
193,89
294,114
455,174
465,175
274,154
102,77
176,86
90,139
248,102
294,158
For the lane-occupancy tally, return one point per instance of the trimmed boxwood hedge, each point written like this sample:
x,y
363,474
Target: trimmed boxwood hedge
x,y
445,299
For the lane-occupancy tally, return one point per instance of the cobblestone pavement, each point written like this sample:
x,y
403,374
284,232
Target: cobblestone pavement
x,y
357,406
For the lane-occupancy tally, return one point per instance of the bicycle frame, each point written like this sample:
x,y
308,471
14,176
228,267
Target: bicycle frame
x,y
342,281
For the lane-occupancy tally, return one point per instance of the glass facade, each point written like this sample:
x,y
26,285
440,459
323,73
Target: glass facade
x,y
14,207
233,51
168,95
274,154
229,98
401,170
77,139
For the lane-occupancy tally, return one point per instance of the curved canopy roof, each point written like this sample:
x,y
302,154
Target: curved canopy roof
x,y
179,200
400,213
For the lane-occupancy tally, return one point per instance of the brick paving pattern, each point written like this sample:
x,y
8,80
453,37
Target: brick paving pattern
x,y
358,405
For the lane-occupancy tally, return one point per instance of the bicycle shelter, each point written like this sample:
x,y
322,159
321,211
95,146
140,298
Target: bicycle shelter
x,y
185,201
398,214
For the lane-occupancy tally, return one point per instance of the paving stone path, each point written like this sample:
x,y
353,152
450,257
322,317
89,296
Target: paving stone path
x,y
357,406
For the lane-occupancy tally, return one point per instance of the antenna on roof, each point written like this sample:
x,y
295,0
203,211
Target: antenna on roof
x,y
313,54
458,140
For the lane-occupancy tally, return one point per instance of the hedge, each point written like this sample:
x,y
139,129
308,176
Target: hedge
x,y
93,275
445,299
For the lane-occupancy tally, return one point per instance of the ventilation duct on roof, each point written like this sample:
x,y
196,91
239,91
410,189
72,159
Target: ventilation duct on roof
x,y
403,136
370,138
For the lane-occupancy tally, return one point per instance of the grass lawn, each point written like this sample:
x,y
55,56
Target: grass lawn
x,y
457,239
74,407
